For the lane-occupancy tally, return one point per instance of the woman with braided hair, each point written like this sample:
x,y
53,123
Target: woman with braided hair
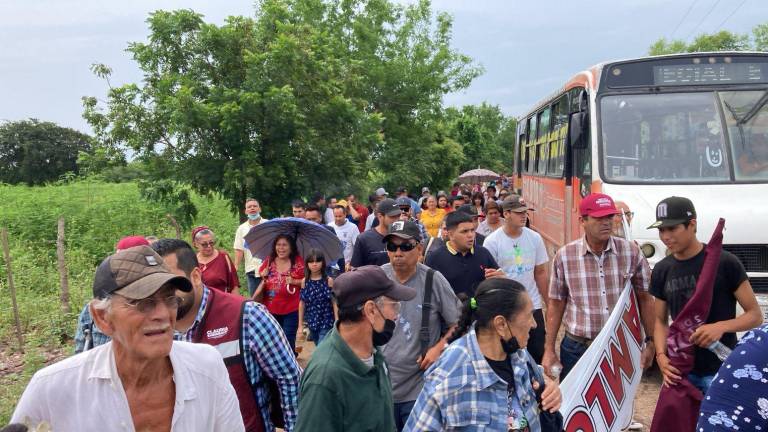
x,y
485,379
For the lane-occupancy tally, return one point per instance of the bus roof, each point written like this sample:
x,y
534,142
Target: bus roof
x,y
590,77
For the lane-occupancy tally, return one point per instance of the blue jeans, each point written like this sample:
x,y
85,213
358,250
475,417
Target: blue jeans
x,y
570,353
319,335
402,412
253,282
290,324
701,382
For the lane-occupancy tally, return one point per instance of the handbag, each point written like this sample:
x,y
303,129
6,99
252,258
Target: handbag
x,y
550,422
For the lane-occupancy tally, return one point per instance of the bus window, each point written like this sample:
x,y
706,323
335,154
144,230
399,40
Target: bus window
x,y
531,130
542,158
542,123
663,138
749,140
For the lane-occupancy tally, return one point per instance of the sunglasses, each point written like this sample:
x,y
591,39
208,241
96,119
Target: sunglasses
x,y
208,244
147,305
405,247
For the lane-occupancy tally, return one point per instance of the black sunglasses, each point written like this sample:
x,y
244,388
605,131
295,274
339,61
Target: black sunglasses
x,y
405,247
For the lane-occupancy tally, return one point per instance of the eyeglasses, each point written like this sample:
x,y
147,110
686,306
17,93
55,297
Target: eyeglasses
x,y
211,243
147,305
405,247
396,305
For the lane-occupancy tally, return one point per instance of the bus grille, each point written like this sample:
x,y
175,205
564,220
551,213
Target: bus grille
x,y
759,284
754,256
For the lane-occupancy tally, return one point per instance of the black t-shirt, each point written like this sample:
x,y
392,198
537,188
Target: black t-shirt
x,y
464,272
503,369
369,250
674,281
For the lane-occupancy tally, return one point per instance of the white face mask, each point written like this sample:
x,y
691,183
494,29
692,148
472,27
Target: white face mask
x,y
254,216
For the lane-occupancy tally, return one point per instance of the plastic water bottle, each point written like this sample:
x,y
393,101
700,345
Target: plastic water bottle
x,y
721,351
556,370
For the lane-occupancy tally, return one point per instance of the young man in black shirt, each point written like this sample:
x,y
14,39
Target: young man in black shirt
x,y
462,262
673,281
369,247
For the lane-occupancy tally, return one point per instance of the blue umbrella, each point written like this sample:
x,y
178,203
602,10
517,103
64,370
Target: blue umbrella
x,y
308,235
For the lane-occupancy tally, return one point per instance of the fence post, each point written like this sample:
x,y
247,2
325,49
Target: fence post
x,y
12,288
63,276
175,225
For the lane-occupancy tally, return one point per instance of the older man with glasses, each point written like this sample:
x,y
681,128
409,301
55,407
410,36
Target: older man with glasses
x,y
142,379
425,322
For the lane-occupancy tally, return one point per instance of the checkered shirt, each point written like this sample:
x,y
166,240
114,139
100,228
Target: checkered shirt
x,y
591,284
268,353
86,321
462,392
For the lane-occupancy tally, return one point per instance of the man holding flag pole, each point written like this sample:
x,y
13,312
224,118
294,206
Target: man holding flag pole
x,y
698,285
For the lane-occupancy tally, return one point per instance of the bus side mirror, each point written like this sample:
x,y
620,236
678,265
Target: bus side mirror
x,y
577,130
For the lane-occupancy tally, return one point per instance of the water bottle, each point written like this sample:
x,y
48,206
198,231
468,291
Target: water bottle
x,y
556,370
721,351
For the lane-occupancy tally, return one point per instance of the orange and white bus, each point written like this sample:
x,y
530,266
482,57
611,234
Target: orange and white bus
x,y
640,130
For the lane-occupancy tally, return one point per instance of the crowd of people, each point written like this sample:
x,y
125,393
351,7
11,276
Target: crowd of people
x,y
441,314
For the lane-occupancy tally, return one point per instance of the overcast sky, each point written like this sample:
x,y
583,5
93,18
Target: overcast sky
x,y
527,48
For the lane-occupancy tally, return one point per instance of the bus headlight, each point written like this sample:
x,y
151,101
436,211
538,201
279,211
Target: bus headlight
x,y
648,250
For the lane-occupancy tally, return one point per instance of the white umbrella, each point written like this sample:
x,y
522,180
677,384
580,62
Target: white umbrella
x,y
478,176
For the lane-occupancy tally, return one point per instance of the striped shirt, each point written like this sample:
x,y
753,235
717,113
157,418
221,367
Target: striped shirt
x,y
591,284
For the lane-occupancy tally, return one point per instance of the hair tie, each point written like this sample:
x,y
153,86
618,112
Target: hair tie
x,y
472,303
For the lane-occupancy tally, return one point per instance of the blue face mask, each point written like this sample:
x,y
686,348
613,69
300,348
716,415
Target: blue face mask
x,y
254,216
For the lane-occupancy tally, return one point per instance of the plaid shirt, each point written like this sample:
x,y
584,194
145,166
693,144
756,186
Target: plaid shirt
x,y
591,284
86,321
267,355
462,392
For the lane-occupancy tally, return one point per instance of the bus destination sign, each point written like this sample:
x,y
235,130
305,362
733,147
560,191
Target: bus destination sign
x,y
720,73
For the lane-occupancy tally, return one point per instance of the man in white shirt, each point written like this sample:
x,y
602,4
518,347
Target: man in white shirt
x,y
346,231
242,254
142,379
520,252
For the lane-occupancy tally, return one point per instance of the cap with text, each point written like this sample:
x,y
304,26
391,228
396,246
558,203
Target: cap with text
x,y
136,273
406,230
597,205
673,211
365,283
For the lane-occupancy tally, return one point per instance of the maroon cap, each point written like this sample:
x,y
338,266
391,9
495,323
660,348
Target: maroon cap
x,y
597,205
131,241
365,283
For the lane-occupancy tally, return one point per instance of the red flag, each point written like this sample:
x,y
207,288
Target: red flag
x,y
678,406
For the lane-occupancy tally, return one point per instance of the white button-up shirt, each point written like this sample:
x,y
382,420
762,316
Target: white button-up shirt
x,y
84,393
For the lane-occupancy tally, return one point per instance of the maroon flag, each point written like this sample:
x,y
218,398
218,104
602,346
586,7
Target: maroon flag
x,y
678,406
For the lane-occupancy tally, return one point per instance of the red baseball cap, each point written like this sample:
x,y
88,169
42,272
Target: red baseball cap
x,y
597,205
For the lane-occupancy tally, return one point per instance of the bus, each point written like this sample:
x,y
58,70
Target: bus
x,y
640,130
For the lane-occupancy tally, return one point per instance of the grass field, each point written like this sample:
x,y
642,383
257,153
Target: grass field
x,y
97,215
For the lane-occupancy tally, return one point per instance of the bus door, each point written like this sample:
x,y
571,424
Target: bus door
x,y
578,173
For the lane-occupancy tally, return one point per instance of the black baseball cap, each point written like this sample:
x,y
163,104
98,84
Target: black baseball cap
x,y
403,202
388,207
136,273
406,230
673,211
365,283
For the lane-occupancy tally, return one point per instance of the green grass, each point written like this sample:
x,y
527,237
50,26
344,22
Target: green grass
x,y
97,215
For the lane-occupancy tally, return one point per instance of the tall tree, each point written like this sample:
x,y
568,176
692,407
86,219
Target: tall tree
x,y
480,129
307,95
35,152
719,41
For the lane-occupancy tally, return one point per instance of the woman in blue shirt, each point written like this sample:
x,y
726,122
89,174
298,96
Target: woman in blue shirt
x,y
482,381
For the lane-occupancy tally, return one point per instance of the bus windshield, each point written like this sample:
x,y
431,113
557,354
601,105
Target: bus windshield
x,y
680,137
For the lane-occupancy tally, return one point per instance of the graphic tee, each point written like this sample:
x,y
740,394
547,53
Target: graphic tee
x,y
674,281
518,257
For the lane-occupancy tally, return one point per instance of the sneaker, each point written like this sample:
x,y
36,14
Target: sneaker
x,y
635,426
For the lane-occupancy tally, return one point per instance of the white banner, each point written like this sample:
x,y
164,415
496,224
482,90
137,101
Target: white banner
x,y
599,391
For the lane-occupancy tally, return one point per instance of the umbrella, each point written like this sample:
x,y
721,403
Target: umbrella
x,y
308,235
478,176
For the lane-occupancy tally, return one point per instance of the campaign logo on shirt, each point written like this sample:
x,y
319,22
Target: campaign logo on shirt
x,y
217,333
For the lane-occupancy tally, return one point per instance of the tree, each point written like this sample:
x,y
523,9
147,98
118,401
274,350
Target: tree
x,y
308,95
480,129
720,41
35,152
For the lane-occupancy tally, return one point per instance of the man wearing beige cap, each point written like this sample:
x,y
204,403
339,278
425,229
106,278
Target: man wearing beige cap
x,y
141,380
346,386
